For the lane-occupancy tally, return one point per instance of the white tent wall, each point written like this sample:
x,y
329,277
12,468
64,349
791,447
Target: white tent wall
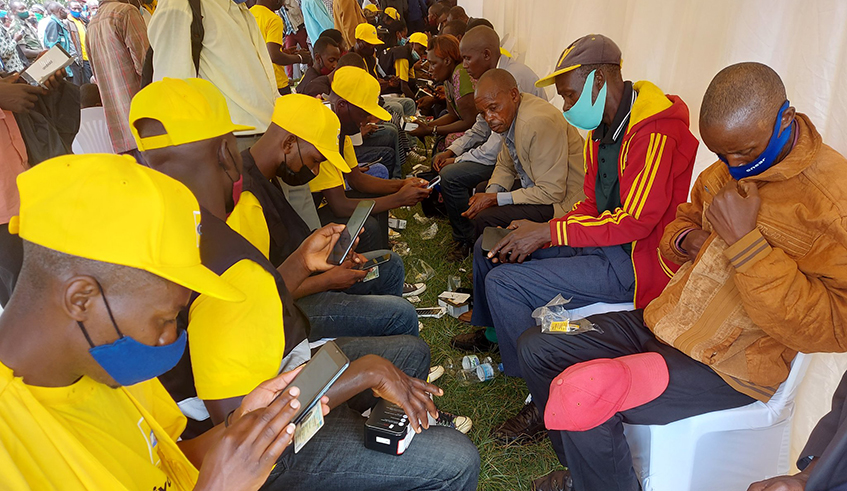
x,y
680,45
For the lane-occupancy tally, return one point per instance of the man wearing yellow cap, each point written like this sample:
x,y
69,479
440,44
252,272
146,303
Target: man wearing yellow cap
x,y
80,405
369,46
292,150
233,344
354,99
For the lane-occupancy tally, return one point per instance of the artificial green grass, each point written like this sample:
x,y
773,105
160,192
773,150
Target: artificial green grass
x,y
487,404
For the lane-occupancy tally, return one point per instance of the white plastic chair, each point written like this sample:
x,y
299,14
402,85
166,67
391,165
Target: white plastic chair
x,y
726,450
93,135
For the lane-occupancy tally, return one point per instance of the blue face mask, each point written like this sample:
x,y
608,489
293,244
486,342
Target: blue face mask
x,y
768,158
75,14
130,362
585,115
403,41
415,55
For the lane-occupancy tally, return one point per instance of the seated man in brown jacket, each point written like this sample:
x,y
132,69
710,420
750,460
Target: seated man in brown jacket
x,y
540,149
762,244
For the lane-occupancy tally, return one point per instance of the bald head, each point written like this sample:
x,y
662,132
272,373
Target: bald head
x,y
497,98
740,110
480,49
742,93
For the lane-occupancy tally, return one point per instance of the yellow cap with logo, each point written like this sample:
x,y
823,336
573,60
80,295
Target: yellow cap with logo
x,y
367,33
393,13
420,38
307,118
190,109
359,88
371,8
108,208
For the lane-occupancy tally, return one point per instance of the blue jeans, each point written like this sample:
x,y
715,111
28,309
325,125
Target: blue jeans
x,y
400,105
375,308
336,458
387,136
506,294
372,153
457,180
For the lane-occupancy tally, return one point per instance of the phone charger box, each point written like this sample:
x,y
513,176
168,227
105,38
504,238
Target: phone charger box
x,y
397,223
46,65
387,429
455,302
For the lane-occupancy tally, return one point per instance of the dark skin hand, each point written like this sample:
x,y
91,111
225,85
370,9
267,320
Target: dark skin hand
x,y
337,278
693,242
734,210
797,482
442,160
18,97
406,192
516,247
479,202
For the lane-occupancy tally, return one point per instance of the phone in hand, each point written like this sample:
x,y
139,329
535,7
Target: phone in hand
x,y
348,236
317,376
434,182
491,236
373,262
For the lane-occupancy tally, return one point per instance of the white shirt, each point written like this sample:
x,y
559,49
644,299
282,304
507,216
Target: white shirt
x,y
234,56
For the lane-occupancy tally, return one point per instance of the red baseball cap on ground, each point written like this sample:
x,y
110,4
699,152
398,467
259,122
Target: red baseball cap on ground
x,y
587,394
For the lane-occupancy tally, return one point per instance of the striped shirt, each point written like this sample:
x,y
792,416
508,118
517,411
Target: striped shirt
x,y
117,43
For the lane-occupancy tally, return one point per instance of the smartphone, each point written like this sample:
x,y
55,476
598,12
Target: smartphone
x,y
491,236
348,236
46,65
433,312
434,182
368,164
373,262
317,376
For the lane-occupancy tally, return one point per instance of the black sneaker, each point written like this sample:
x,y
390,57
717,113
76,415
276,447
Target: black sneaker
x,y
460,252
473,341
462,424
411,289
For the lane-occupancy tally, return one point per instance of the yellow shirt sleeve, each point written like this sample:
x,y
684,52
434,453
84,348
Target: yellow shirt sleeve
x,y
401,68
329,176
236,346
273,31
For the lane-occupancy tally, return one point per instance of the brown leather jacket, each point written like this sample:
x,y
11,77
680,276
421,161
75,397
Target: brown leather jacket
x,y
746,310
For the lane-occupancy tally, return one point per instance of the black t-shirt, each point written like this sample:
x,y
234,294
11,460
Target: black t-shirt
x,y
310,75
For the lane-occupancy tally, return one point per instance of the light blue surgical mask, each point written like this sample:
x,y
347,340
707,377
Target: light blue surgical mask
x,y
585,115
129,361
403,41
415,55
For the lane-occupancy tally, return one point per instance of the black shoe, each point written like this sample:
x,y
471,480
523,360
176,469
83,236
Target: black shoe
x,y
460,252
554,481
525,427
473,341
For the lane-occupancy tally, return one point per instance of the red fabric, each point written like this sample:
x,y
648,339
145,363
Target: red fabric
x,y
655,165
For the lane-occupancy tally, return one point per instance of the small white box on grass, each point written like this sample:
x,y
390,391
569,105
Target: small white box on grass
x,y
456,303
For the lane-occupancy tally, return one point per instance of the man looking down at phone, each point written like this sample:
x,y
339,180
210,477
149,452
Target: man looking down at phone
x,y
80,405
233,346
470,159
355,99
341,301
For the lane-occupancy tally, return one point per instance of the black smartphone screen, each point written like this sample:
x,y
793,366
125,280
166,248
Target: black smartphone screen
x,y
354,226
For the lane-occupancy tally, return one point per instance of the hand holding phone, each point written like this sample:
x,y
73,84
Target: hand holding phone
x,y
434,182
351,231
373,262
317,376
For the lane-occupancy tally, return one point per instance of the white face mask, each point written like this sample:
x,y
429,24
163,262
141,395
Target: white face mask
x,y
356,139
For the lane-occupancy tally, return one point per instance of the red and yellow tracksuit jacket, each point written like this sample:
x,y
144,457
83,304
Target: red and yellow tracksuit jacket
x,y
654,170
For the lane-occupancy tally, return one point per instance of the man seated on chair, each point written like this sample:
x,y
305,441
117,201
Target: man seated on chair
x,y
470,159
233,346
762,245
823,461
640,154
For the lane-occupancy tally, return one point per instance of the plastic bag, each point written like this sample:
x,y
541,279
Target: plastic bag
x,y
453,283
555,319
430,232
422,220
419,271
401,249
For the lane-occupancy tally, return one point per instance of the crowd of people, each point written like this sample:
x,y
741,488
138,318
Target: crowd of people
x,y
246,133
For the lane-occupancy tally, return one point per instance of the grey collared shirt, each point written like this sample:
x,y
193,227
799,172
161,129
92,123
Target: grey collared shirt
x,y
505,197
481,145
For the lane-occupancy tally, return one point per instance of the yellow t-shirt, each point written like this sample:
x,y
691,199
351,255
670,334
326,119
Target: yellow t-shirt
x,y
90,436
401,69
329,176
273,31
81,28
236,346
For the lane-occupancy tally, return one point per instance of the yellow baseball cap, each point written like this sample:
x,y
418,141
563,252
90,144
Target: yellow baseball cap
x,y
393,13
321,128
190,109
367,33
108,208
371,8
420,38
359,88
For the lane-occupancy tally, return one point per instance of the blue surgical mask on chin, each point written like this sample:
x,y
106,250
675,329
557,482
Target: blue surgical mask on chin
x,y
403,41
129,361
415,55
768,158
585,115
